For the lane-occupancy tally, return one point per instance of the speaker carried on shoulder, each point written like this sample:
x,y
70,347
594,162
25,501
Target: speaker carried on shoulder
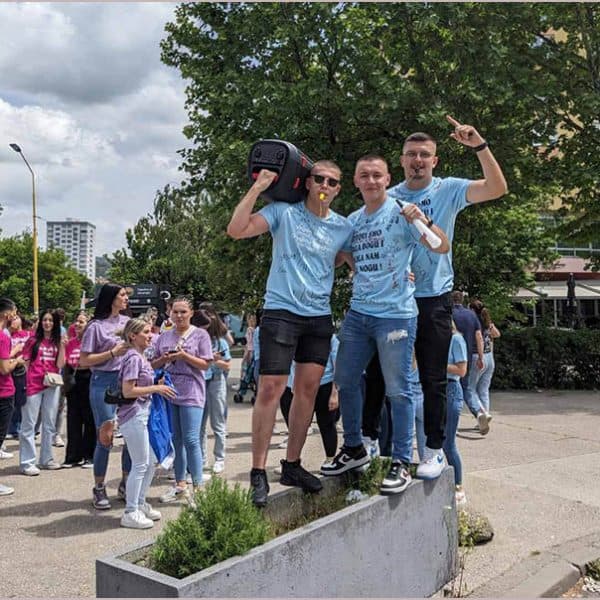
x,y
291,165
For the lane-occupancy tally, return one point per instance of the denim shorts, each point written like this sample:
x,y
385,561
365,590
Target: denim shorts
x,y
285,336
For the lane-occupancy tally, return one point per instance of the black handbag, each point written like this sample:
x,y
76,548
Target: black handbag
x,y
116,397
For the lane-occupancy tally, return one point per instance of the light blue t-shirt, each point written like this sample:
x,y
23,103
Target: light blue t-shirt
x,y
304,251
382,247
329,367
221,346
440,201
457,353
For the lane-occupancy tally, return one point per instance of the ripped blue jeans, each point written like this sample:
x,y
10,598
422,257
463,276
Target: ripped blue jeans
x,y
394,340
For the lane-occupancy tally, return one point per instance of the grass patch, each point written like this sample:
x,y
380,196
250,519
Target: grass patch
x,y
592,569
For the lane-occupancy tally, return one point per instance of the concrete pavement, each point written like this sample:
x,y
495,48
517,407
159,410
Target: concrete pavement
x,y
535,476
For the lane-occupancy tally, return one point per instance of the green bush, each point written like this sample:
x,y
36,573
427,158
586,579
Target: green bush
x,y
541,357
223,524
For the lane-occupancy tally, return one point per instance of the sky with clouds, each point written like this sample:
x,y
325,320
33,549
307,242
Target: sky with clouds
x,y
98,116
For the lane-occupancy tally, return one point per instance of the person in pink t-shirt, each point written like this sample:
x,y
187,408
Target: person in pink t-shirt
x,y
8,363
43,353
18,337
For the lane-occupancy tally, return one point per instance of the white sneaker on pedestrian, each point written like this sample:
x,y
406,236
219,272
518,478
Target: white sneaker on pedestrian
x,y
51,465
149,512
488,416
30,470
136,519
173,494
218,467
6,490
57,441
371,446
432,465
5,454
484,424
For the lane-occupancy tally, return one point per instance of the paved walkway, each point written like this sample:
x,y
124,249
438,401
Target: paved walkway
x,y
535,476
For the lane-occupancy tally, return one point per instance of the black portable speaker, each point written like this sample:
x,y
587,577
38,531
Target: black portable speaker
x,y
291,165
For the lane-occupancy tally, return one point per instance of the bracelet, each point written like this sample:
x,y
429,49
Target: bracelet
x,y
111,354
480,147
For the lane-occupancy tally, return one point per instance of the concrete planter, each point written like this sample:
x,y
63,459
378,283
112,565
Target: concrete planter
x,y
392,546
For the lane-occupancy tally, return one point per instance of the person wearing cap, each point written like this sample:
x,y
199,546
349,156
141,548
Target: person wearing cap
x,y
296,323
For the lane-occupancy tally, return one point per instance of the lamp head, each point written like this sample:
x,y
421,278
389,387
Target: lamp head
x,y
15,147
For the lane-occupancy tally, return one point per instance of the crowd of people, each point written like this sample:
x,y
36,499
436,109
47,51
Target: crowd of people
x,y
408,350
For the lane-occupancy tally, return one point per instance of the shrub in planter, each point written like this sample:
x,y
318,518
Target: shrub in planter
x,y
224,523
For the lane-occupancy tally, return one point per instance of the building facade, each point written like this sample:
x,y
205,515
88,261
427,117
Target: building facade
x,y
77,239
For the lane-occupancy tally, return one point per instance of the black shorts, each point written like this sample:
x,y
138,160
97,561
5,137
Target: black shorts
x,y
285,336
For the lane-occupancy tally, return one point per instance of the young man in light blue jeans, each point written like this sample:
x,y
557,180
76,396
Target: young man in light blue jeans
x,y
382,317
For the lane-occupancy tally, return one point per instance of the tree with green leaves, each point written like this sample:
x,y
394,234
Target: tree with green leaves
x,y
60,284
343,79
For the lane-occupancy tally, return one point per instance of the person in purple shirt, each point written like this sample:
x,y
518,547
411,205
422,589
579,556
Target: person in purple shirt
x,y
185,351
102,351
137,381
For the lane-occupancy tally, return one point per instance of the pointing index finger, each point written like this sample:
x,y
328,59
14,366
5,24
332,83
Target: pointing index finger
x,y
452,121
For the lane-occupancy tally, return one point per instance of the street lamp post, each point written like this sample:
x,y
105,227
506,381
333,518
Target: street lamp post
x,y
36,298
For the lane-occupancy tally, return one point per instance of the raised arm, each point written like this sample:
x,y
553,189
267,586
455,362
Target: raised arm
x,y
493,185
244,223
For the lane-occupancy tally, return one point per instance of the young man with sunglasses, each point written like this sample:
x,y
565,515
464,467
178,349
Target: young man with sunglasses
x,y
296,323
440,199
382,318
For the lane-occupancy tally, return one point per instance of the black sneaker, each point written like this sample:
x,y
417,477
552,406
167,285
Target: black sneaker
x,y
346,459
396,480
292,473
260,487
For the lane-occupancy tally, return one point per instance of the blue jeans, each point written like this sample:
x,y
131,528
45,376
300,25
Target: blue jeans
x,y
417,392
453,407
394,340
185,425
100,381
46,404
135,432
215,409
479,381
471,400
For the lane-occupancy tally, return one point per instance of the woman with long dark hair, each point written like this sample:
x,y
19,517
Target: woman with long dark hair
x,y
44,353
102,350
7,387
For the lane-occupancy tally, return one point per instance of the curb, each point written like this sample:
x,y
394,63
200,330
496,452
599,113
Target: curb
x,y
545,574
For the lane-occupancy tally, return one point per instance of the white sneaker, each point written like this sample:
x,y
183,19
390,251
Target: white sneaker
x,y
51,465
173,494
432,465
371,446
149,512
218,467
30,470
5,454
6,490
484,424
136,520
58,441
488,417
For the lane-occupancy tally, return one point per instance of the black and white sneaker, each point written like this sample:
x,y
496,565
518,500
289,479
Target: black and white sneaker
x,y
346,459
292,473
396,480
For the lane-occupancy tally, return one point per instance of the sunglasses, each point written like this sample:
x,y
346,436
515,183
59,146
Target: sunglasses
x,y
331,182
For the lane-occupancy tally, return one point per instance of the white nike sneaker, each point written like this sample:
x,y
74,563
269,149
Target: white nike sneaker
x,y
432,465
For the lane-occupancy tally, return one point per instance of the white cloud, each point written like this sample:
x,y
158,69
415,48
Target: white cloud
x,y
97,115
